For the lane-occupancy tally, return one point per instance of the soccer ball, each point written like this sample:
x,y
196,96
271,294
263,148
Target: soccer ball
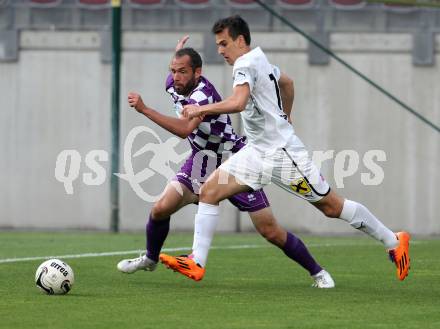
x,y
54,277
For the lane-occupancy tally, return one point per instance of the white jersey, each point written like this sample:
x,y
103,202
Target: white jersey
x,y
265,123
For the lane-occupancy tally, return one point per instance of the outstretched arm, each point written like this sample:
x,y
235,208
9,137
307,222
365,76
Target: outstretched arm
x,y
181,127
287,94
233,104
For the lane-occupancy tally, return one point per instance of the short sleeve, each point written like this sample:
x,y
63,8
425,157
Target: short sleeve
x,y
242,75
276,72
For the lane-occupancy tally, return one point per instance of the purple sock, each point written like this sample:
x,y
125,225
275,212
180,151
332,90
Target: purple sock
x,y
156,232
296,250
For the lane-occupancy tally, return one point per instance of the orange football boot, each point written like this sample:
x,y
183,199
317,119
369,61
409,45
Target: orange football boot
x,y
184,265
400,255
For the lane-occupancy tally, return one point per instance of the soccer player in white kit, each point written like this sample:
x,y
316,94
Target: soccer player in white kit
x,y
273,153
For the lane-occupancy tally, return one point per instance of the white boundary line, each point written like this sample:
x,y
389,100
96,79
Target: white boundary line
x,y
115,253
130,252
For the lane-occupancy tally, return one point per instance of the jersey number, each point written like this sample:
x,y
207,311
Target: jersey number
x,y
277,89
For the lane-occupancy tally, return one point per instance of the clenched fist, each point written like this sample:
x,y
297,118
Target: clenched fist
x,y
135,100
191,111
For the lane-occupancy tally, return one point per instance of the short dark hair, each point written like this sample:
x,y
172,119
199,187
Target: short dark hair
x,y
196,60
236,26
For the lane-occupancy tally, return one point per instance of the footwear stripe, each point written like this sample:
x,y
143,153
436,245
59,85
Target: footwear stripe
x,y
185,266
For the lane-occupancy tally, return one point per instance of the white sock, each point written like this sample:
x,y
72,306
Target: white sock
x,y
204,228
362,219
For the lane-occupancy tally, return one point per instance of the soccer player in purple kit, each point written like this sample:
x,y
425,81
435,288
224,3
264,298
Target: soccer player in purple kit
x,y
211,138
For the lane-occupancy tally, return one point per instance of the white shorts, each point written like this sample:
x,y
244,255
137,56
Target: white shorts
x,y
289,167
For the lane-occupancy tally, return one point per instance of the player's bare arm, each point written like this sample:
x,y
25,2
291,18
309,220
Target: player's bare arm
x,y
181,127
181,42
233,104
287,94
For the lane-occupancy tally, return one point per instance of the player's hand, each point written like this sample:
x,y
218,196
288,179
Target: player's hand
x,y
181,42
135,100
192,111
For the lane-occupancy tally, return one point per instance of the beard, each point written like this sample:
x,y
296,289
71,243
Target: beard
x,y
186,89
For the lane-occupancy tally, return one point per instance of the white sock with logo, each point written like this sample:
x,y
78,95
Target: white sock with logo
x,y
359,217
204,227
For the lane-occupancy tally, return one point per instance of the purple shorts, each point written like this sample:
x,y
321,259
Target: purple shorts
x,y
196,170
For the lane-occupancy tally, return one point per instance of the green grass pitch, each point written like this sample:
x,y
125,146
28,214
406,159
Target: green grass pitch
x,y
255,287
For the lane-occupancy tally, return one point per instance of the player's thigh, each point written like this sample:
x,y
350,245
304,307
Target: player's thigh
x,y
175,196
263,219
221,185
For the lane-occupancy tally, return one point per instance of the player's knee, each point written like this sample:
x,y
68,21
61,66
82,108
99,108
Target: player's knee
x,y
331,205
271,236
159,211
208,195
270,233
330,210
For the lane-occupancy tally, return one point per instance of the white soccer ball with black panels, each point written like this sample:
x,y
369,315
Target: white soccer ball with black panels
x,y
54,277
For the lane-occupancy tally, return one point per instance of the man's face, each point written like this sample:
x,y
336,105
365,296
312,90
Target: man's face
x,y
185,79
228,48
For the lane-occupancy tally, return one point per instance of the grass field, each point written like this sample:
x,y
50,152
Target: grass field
x,y
254,287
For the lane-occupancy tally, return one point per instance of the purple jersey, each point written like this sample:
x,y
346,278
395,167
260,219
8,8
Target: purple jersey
x,y
215,132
